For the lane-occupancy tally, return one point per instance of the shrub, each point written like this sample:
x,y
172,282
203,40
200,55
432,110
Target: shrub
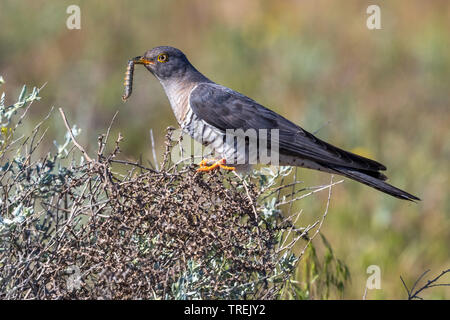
x,y
76,227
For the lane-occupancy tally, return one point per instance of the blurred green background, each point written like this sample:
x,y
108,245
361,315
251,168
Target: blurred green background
x,y
381,93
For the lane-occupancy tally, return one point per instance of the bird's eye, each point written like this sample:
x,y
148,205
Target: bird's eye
x,y
163,57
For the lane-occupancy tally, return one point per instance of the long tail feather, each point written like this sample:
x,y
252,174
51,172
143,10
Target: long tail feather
x,y
374,182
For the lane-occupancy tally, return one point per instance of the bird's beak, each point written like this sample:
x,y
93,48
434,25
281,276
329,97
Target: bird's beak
x,y
142,60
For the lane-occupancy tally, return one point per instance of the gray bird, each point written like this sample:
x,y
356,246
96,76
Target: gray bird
x,y
205,110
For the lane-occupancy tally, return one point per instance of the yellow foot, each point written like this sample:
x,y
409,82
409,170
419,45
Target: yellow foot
x,y
217,164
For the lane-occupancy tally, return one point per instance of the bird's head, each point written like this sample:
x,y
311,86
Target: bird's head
x,y
164,62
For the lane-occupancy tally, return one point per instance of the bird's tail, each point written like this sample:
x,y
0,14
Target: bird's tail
x,y
374,180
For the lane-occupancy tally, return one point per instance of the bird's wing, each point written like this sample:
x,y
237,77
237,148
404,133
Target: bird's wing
x,y
224,109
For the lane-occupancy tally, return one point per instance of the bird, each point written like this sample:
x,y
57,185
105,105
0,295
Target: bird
x,y
206,110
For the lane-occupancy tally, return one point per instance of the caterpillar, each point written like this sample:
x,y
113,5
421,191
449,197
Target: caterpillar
x,y
128,81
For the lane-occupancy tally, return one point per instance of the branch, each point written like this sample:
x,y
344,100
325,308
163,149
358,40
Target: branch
x,y
86,156
430,284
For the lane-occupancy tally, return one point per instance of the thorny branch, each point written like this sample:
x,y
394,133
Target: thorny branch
x,y
72,136
429,284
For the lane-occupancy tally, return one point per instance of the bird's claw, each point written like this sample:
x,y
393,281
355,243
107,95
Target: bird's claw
x,y
204,167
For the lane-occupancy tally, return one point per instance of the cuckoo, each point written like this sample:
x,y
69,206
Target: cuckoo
x,y
207,111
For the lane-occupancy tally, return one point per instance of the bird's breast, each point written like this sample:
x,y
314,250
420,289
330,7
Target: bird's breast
x,y
178,95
